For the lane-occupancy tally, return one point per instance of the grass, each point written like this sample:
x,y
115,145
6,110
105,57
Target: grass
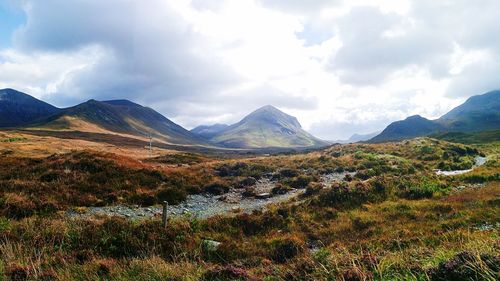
x,y
395,219
375,241
470,138
14,139
31,186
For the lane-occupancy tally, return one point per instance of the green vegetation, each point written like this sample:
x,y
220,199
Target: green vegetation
x,y
469,138
390,218
59,182
16,139
179,159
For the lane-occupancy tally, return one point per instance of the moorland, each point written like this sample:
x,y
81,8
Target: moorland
x,y
389,217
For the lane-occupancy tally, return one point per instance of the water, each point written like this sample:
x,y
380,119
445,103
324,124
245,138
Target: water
x,y
479,161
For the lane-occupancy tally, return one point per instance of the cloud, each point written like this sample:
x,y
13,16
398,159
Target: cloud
x,y
377,44
44,74
476,78
341,67
152,52
298,6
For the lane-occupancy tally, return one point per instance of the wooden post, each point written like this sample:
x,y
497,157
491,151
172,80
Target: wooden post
x,y
164,218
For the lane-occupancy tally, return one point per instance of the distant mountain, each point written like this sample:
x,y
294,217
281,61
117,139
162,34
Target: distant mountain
x,y
477,114
119,116
266,127
208,132
18,109
361,137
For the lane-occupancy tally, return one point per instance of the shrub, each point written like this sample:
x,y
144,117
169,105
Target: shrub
x,y
347,196
242,169
467,266
280,189
172,195
256,223
249,192
313,188
300,182
249,181
17,272
144,198
360,224
289,173
217,188
17,205
284,249
425,189
223,273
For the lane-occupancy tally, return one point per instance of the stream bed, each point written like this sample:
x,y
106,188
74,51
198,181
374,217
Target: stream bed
x,y
207,205
479,161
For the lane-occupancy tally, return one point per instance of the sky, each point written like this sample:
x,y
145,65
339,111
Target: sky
x,y
340,66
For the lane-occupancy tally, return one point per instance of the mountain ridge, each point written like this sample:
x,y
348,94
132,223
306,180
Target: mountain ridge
x,y
121,116
18,109
478,113
266,127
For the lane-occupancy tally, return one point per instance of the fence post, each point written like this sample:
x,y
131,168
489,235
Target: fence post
x,y
164,218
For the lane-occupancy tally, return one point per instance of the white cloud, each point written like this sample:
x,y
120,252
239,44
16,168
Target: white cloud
x,y
341,67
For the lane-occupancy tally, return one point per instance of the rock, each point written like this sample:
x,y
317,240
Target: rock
x,y
264,195
210,245
269,175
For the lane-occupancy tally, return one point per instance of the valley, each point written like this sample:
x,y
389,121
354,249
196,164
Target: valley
x,y
249,140
311,215
84,201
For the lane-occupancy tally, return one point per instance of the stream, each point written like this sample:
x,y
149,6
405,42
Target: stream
x,y
479,161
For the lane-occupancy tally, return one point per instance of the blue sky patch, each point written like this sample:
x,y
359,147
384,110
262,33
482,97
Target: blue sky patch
x,y
10,19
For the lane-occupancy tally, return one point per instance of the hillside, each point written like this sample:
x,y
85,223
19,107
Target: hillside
x,y
479,113
119,116
413,126
17,109
266,127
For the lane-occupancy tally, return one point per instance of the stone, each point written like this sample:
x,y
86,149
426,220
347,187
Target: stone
x,y
264,195
210,245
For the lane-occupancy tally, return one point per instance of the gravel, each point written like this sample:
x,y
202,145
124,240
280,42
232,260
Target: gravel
x,y
199,205
206,205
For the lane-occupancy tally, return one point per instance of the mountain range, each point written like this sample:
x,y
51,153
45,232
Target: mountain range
x,y
118,116
266,127
477,114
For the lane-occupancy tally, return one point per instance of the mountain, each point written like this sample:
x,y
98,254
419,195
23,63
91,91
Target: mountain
x,y
411,127
208,132
477,114
119,116
18,109
264,128
361,137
